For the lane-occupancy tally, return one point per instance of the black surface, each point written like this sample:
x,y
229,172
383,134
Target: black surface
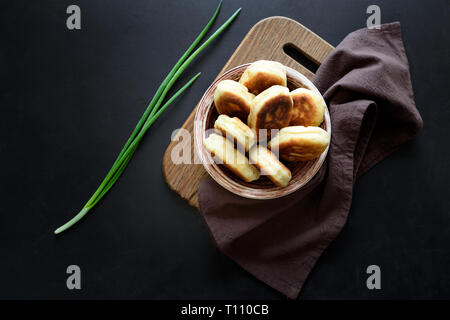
x,y
70,98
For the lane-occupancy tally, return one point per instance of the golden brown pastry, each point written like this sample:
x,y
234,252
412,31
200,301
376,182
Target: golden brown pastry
x,y
235,130
308,109
224,151
269,165
300,143
233,99
271,109
263,74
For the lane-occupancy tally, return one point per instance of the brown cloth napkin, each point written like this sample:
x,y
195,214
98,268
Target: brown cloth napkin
x,y
366,84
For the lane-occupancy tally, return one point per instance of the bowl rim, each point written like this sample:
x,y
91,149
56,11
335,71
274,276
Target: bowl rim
x,y
218,175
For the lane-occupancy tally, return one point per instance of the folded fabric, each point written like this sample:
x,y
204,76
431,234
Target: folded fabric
x,y
366,84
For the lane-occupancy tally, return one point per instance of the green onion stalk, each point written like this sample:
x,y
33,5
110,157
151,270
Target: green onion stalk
x,y
152,112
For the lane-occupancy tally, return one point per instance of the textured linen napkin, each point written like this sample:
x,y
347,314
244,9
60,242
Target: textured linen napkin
x,y
366,84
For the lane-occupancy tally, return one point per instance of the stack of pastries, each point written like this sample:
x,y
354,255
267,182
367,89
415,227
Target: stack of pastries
x,y
260,111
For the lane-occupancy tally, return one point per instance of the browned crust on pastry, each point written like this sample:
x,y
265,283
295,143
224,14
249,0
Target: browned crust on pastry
x,y
298,143
274,163
231,168
236,131
291,150
233,105
306,111
274,114
261,81
219,147
263,74
235,141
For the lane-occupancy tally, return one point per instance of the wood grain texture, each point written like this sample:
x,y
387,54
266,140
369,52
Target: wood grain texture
x,y
264,41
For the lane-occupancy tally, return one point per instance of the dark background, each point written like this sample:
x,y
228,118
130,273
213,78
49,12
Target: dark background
x,y
69,99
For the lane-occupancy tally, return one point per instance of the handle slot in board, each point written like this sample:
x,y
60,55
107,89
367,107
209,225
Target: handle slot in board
x,y
296,54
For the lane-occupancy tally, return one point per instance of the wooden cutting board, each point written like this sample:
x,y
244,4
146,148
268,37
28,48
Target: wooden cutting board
x,y
264,41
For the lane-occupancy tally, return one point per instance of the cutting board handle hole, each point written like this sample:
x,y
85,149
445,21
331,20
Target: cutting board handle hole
x,y
296,54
